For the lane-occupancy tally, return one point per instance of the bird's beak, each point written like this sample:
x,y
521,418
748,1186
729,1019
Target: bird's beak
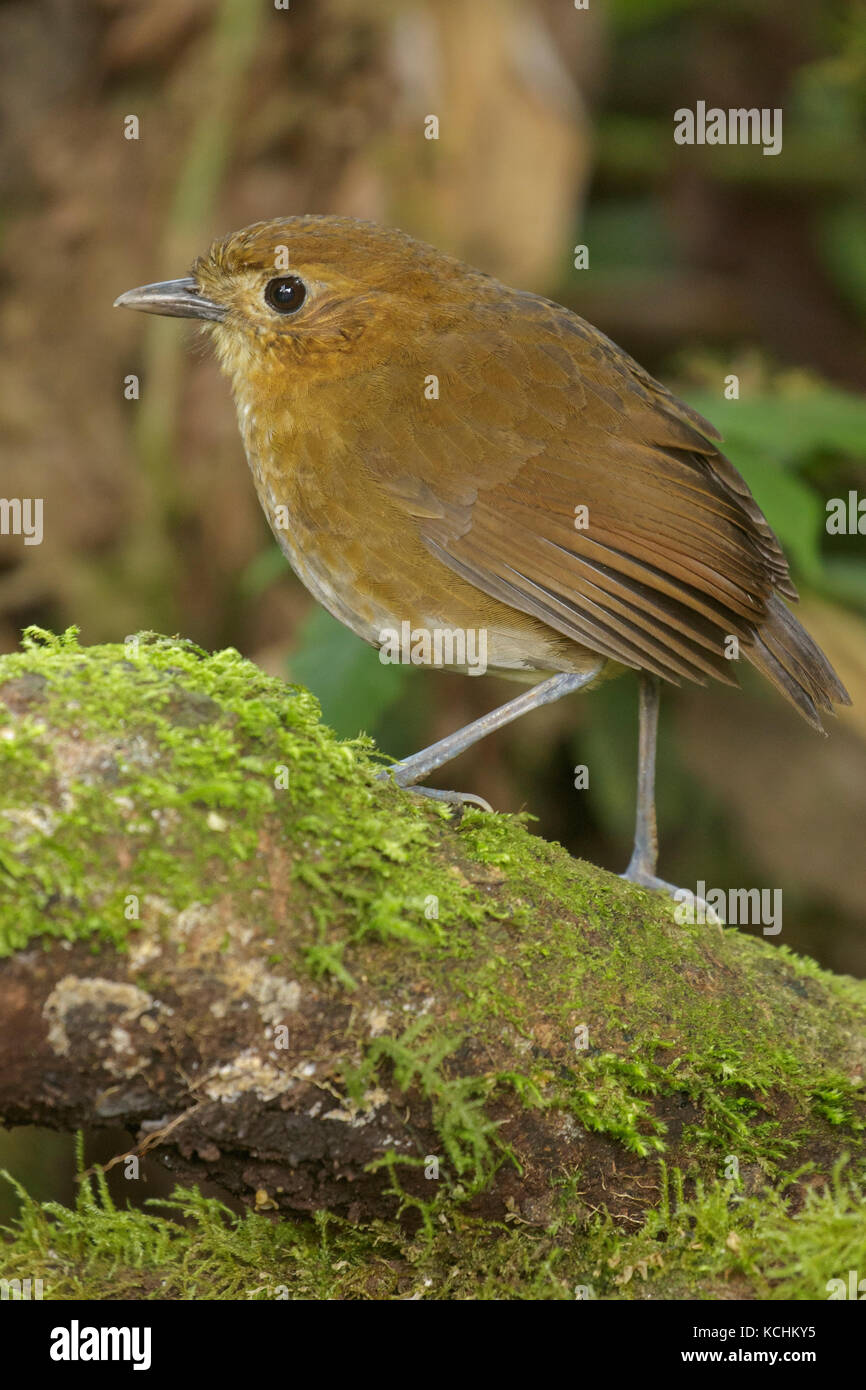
x,y
180,299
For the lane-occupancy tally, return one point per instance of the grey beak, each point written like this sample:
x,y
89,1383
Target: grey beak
x,y
179,299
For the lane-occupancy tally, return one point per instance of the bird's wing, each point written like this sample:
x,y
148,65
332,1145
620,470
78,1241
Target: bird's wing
x,y
540,416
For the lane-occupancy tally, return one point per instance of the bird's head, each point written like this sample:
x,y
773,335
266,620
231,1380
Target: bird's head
x,y
328,295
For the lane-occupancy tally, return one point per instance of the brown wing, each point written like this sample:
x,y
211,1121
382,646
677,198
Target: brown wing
x,y
538,415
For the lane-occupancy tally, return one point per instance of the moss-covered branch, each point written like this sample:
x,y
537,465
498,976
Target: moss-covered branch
x,y
220,930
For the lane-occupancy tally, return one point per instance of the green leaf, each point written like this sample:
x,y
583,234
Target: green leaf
x,y
788,428
842,237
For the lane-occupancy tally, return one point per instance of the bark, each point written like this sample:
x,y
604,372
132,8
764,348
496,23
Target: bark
x,y
331,995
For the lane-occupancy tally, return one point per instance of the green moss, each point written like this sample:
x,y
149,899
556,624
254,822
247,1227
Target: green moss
x,y
717,1244
157,773
185,755
839,1100
468,1137
610,1102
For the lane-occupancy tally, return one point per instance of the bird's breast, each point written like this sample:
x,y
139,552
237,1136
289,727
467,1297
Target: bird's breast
x,y
362,558
314,520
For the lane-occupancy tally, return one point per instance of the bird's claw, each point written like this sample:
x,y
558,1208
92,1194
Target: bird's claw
x,y
456,799
460,799
644,879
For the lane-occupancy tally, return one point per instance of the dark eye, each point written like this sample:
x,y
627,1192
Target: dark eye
x,y
285,294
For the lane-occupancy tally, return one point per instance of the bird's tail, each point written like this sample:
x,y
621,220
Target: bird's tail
x,y
786,654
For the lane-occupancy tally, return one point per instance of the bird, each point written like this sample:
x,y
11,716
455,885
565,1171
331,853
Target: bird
x,y
435,448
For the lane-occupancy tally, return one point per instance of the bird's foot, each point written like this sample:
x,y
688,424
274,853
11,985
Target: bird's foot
x,y
456,799
640,875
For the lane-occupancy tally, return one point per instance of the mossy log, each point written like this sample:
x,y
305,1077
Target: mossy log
x,y
220,930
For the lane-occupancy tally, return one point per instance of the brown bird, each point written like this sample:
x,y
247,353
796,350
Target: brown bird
x,y
431,447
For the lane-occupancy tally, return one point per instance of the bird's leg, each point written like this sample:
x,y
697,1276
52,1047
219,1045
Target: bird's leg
x,y
644,856
412,770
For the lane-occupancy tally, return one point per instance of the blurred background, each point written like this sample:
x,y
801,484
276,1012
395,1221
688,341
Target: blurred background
x,y
556,130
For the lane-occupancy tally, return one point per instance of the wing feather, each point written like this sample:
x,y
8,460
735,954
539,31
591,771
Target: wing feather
x,y
538,415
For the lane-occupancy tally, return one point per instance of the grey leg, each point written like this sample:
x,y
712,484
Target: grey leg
x,y
642,865
644,856
413,769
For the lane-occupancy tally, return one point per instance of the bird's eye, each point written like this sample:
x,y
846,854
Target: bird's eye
x,y
286,294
